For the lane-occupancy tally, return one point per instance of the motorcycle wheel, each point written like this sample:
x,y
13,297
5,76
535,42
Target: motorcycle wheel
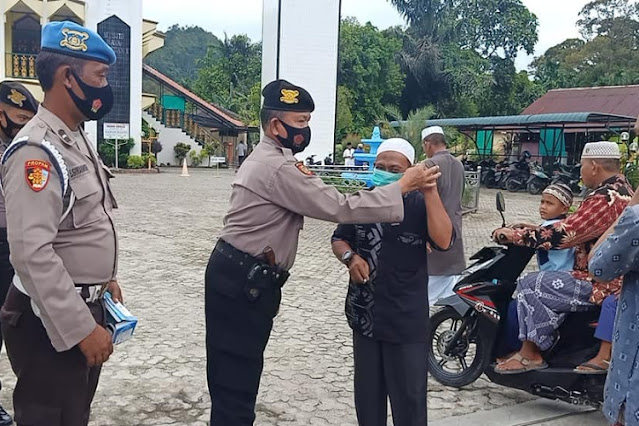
x,y
512,185
470,356
535,186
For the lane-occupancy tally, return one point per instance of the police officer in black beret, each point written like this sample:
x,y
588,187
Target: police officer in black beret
x,y
17,107
272,193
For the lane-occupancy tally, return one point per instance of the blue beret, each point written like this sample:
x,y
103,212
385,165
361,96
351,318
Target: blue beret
x,y
71,39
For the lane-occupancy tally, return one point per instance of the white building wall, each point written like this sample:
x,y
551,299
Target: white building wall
x,y
306,49
130,11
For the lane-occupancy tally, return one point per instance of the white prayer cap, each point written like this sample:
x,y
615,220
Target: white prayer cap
x,y
601,150
432,130
398,145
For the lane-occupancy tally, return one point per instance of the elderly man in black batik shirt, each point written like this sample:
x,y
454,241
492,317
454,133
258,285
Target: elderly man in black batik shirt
x,y
387,302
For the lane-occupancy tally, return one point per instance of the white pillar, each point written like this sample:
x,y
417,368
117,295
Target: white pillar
x,y
300,40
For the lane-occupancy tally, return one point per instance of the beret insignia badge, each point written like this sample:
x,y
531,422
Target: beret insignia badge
x,y
74,40
290,97
17,98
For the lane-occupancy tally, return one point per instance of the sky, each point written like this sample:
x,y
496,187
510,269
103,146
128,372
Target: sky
x,y
556,17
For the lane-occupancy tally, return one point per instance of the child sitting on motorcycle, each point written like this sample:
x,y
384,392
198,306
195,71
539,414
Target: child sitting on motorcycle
x,y
555,203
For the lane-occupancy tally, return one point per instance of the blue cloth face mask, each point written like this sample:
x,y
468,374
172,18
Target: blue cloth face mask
x,y
382,177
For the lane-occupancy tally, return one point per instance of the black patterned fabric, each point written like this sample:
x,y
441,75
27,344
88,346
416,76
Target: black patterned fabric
x,y
393,306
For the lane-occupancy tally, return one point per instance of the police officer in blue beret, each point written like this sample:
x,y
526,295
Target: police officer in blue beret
x,y
61,235
17,107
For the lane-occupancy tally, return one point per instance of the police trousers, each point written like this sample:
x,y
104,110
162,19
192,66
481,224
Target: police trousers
x,y
395,371
239,317
53,388
6,272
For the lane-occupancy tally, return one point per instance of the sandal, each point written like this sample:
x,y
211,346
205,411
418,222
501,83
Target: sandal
x,y
592,369
504,358
527,365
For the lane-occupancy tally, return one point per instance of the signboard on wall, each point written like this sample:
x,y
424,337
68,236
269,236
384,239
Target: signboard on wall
x,y
118,131
117,34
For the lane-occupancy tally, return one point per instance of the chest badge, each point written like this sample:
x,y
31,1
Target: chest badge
x,y
37,173
302,168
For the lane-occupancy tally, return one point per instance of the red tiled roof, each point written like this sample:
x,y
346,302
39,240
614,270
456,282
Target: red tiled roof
x,y
617,100
193,97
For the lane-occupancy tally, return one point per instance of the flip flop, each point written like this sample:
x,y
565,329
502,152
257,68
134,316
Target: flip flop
x,y
504,358
593,368
527,364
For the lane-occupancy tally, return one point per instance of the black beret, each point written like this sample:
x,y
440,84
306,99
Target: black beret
x,y
281,95
15,94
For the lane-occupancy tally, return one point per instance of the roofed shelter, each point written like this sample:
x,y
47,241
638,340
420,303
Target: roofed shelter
x,y
553,137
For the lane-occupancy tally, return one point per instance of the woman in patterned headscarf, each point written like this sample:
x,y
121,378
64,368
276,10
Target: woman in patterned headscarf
x,y
617,254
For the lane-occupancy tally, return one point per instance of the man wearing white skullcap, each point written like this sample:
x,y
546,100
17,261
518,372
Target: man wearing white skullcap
x,y
545,298
387,301
445,267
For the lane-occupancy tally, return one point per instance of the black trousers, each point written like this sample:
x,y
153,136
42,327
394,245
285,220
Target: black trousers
x,y
6,273
239,318
386,370
53,388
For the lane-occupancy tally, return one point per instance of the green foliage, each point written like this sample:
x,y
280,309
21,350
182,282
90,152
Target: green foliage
x,y
606,55
632,174
106,149
145,158
409,128
183,47
368,74
196,159
229,75
181,150
135,162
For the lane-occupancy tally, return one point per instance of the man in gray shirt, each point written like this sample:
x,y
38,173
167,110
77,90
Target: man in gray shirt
x,y
445,267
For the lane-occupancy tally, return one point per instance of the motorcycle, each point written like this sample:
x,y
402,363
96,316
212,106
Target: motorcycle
x,y
310,161
518,176
495,176
328,161
538,180
467,335
569,175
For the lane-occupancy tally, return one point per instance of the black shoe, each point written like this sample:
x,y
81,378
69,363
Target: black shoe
x,y
5,418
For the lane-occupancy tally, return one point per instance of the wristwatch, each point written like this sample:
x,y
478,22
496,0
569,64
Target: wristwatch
x,y
347,256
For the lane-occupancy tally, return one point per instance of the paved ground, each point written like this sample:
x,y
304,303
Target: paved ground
x,y
168,225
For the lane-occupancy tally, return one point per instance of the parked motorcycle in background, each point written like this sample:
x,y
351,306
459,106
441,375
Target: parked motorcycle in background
x,y
310,161
568,175
538,180
519,174
328,161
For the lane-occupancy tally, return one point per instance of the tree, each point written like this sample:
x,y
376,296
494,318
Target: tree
x,y
393,124
368,73
229,75
344,115
452,46
181,150
183,47
606,55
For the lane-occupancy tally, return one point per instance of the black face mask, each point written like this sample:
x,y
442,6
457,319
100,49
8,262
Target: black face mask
x,y
297,140
12,128
98,102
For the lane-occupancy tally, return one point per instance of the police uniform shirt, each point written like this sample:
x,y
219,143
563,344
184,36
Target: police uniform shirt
x,y
52,250
272,193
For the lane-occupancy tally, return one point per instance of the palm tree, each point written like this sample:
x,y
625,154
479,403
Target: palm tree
x,y
393,124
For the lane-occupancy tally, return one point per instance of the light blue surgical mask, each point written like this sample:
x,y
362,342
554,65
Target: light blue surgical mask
x,y
382,177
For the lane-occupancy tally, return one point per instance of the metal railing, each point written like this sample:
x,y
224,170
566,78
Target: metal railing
x,y
472,185
21,65
353,179
345,179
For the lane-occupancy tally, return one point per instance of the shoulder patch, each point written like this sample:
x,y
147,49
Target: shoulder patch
x,y
302,168
37,173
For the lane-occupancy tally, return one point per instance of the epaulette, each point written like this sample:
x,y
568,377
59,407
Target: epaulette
x,y
53,153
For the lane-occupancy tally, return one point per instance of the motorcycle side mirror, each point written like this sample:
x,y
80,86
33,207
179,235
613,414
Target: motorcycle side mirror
x,y
501,203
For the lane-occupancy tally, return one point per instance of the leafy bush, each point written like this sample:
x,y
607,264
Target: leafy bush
x,y
146,156
136,162
106,149
196,159
181,150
